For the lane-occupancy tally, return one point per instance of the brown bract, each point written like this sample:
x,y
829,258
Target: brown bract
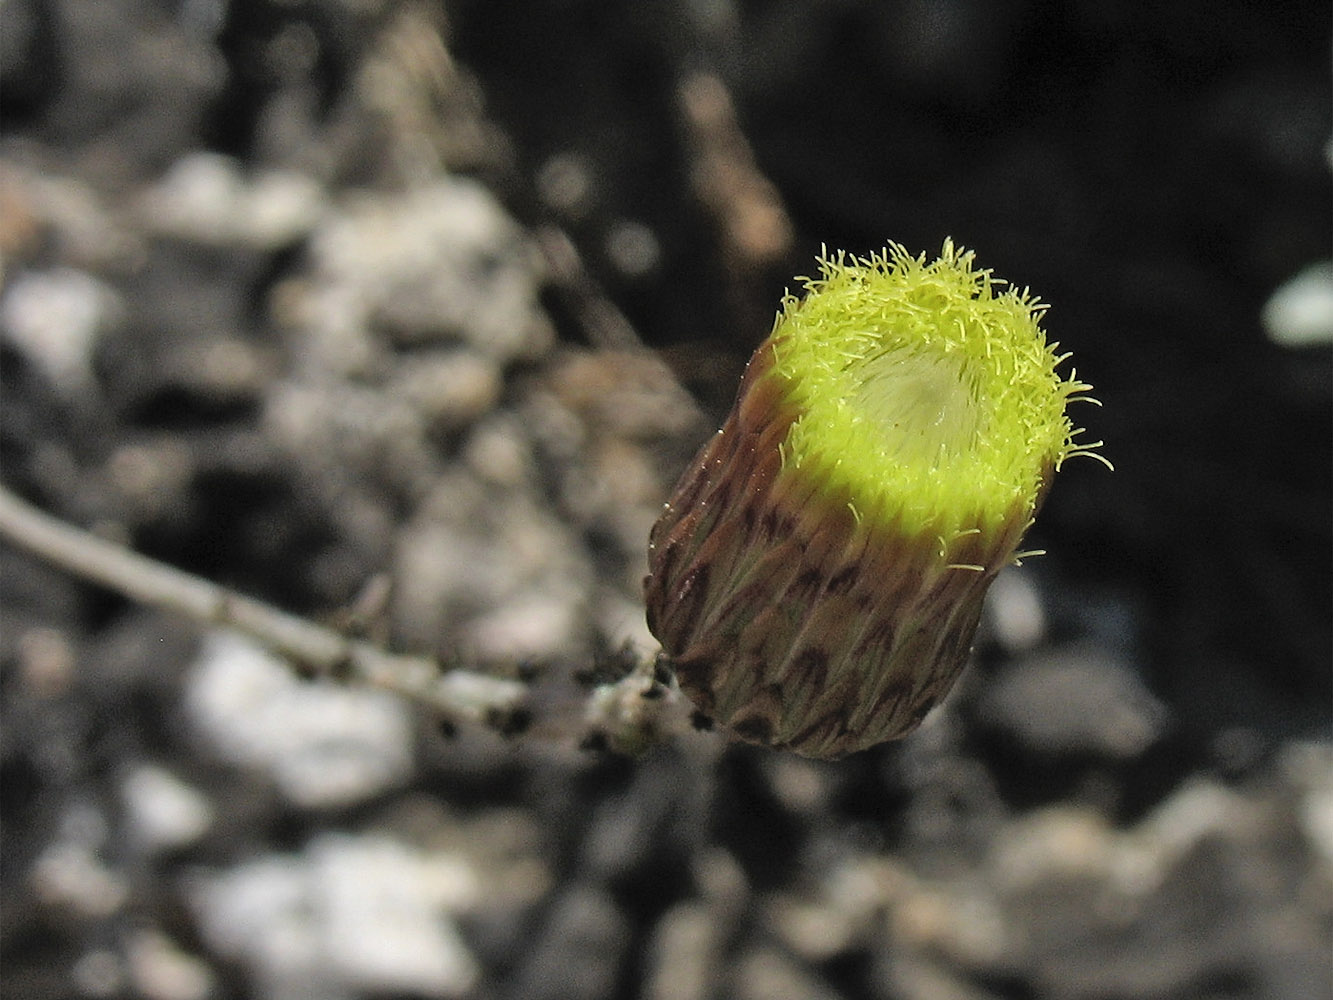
x,y
787,617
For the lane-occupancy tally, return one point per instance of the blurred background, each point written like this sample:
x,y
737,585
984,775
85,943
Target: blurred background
x,y
405,315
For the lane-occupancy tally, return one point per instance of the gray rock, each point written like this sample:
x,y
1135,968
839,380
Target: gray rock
x,y
442,262
1074,700
578,952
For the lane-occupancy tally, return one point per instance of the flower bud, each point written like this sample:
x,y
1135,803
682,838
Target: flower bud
x,y
817,576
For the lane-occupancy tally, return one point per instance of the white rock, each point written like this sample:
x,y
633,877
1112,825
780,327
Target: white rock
x,y
684,956
442,261
766,972
99,974
349,916
1308,764
499,452
633,248
499,574
71,874
162,811
54,318
533,625
449,389
260,914
382,906
1075,699
162,971
1014,609
322,745
1300,312
207,197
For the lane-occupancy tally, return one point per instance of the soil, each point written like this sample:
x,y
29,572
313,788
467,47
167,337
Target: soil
x,y
405,317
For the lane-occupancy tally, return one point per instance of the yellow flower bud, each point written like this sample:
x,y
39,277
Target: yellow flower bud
x,y
817,576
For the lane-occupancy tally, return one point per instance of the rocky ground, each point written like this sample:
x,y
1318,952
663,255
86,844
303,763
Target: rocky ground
x,y
404,317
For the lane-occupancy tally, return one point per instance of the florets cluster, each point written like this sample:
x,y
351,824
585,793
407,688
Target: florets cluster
x,y
817,576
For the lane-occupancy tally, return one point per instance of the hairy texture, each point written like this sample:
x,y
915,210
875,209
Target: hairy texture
x,y
818,574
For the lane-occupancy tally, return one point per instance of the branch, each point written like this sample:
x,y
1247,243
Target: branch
x,y
628,714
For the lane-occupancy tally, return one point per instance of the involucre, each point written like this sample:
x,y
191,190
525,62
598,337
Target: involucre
x,y
817,576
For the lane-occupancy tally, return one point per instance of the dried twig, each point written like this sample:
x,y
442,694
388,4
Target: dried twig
x,y
627,715
755,227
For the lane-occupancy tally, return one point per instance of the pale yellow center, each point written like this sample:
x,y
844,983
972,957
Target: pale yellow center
x,y
921,404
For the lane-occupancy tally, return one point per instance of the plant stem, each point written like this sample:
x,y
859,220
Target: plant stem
x,y
458,695
627,715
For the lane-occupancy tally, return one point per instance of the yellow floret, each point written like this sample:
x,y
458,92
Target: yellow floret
x,y
926,391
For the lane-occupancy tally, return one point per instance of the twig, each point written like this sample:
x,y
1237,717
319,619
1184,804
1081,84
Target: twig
x,y
756,229
458,695
628,715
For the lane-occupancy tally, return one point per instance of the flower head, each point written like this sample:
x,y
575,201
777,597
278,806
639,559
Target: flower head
x,y
817,576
